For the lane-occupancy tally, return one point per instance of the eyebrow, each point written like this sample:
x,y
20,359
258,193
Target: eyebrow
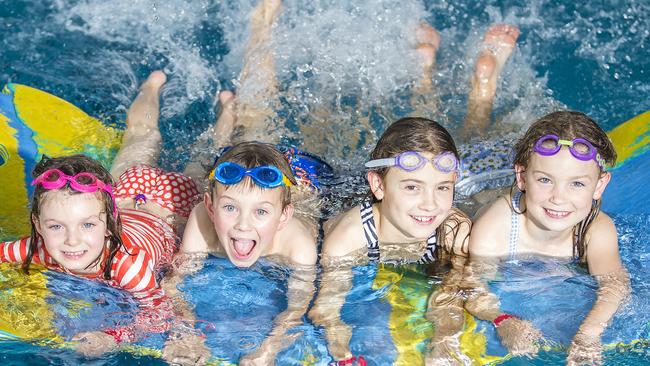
x,y
232,199
574,177
423,182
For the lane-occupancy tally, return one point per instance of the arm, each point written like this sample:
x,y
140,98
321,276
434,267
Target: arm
x,y
445,305
343,235
186,344
487,244
613,288
300,292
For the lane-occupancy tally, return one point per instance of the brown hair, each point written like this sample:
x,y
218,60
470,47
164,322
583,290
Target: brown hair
x,y
422,135
71,165
567,125
251,154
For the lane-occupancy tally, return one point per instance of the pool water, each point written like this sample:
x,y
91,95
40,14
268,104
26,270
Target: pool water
x,y
354,58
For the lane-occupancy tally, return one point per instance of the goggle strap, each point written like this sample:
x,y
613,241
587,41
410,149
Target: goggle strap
x,y
378,163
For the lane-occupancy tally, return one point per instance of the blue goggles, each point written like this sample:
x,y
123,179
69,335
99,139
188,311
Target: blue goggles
x,y
266,176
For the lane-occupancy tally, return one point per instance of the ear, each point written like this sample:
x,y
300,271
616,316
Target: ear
x,y
602,183
520,175
287,214
376,185
37,224
207,201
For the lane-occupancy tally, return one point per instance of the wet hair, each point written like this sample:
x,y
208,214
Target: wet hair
x,y
421,135
251,154
71,165
567,125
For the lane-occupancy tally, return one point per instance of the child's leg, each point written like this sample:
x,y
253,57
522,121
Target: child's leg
x,y
142,139
248,117
423,99
498,44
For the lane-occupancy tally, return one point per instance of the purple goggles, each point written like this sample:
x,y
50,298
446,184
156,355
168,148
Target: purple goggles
x,y
413,160
580,148
82,182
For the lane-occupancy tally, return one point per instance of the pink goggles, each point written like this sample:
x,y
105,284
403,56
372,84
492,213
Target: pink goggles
x,y
82,182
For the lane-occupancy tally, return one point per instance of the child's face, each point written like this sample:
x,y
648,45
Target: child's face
x,y
246,220
73,227
560,189
413,204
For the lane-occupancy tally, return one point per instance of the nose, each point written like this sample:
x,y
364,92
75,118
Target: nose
x,y
72,238
428,202
558,195
243,222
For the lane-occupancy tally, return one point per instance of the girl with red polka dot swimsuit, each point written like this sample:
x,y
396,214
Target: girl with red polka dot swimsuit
x,y
122,235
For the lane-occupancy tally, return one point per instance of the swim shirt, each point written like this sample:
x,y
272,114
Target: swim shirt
x,y
372,240
149,243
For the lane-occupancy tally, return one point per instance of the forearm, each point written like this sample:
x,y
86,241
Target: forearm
x,y
613,289
299,295
480,302
335,285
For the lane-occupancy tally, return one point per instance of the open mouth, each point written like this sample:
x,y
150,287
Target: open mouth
x,y
556,214
423,220
74,255
243,247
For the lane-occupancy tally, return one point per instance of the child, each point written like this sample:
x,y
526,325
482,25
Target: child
x,y
358,235
409,218
554,210
260,202
82,226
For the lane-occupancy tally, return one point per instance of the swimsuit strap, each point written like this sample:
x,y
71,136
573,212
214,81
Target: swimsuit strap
x,y
370,230
429,256
514,226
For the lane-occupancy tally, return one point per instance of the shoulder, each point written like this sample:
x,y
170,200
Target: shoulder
x,y
490,230
344,233
199,233
298,243
602,246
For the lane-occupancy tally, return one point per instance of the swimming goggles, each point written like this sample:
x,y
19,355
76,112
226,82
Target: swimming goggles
x,y
266,176
580,148
413,160
82,182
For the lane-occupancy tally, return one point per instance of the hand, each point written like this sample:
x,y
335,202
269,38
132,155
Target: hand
x,y
257,358
186,349
94,344
585,349
446,352
519,336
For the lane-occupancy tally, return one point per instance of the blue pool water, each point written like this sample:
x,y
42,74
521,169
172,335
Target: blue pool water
x,y
93,53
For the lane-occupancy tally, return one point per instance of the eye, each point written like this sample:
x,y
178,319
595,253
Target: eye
x,y
411,187
444,188
578,184
55,227
262,212
229,208
89,225
544,180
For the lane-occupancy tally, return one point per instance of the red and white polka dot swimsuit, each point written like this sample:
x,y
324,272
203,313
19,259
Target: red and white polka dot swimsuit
x,y
173,191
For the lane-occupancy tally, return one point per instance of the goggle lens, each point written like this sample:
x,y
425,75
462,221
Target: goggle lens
x,y
410,161
446,162
230,173
268,176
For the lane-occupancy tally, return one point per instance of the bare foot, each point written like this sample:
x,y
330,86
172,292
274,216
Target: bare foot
x,y
428,43
498,44
264,14
143,113
225,122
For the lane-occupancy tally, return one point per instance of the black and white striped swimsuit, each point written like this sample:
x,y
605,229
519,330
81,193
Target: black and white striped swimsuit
x,y
370,230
